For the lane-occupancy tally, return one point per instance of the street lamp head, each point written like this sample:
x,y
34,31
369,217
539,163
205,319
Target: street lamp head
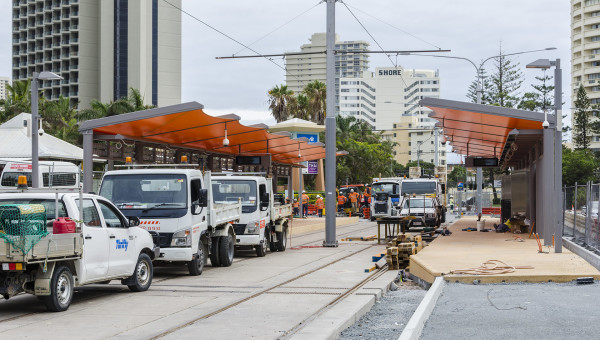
x,y
540,63
45,75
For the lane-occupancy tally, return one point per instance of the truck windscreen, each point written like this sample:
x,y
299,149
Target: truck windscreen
x,y
418,188
228,191
146,191
384,187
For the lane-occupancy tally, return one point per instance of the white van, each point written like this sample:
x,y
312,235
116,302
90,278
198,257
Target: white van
x,y
53,174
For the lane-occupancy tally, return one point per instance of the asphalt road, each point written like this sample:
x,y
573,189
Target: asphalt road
x,y
516,311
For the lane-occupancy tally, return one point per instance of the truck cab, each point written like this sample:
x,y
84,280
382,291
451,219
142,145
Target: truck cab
x,y
175,206
385,196
263,223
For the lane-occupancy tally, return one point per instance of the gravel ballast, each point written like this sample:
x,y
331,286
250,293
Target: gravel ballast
x,y
389,315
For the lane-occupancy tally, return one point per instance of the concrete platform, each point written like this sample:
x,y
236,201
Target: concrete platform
x,y
304,225
463,250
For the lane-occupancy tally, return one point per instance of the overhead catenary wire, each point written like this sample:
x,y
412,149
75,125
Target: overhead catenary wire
x,y
372,37
280,26
399,29
229,37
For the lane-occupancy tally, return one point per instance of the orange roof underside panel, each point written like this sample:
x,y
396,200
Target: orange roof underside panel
x,y
478,134
197,130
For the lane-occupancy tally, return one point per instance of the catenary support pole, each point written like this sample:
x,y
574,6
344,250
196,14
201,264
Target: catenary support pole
x,y
435,157
330,126
35,116
479,172
548,199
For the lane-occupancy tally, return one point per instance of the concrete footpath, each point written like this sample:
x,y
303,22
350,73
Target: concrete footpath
x,y
305,292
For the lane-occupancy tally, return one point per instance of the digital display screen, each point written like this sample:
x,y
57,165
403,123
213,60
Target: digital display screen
x,y
247,160
481,162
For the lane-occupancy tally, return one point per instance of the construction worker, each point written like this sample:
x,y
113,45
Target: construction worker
x,y
296,207
341,201
304,204
320,206
354,200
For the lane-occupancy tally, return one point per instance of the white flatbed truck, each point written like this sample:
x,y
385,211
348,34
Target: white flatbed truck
x,y
176,206
106,246
263,224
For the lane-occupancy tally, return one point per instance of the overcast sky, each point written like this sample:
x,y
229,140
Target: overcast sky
x,y
473,29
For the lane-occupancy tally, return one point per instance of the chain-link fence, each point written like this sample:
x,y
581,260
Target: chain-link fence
x,y
580,218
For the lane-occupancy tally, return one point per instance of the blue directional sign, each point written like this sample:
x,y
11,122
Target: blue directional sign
x,y
461,186
312,137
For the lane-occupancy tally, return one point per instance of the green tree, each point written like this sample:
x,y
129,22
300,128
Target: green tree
x,y
316,92
457,175
541,99
60,119
18,99
504,82
133,102
280,101
298,107
581,120
579,166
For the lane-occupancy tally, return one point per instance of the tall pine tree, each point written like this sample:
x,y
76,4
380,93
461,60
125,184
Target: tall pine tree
x,y
581,120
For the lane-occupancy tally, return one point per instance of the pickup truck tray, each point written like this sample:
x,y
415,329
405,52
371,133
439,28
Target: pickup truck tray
x,y
52,247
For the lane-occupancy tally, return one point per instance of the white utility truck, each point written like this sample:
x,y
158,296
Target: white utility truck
x,y
426,186
385,196
176,206
104,245
264,222
424,210
52,174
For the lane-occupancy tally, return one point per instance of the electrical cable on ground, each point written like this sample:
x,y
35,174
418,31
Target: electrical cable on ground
x,y
230,38
498,308
490,267
280,26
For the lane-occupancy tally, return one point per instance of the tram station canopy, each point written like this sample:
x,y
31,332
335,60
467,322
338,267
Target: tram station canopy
x,y
481,130
188,126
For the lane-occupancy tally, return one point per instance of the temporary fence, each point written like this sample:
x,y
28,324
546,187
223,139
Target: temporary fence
x,y
581,204
466,200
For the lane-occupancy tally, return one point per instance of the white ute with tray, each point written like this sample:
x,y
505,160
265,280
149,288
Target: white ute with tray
x,y
100,245
176,206
263,224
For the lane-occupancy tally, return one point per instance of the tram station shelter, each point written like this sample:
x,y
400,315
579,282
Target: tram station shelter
x,y
520,144
216,143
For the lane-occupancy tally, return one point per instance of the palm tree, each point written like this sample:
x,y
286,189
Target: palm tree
x,y
60,119
299,107
280,101
18,99
316,92
133,102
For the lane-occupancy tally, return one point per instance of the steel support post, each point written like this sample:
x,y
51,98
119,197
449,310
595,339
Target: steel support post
x,y
88,160
435,157
558,157
548,199
478,182
35,159
330,126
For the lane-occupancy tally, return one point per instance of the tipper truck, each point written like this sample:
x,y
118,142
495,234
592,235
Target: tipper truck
x,y
177,207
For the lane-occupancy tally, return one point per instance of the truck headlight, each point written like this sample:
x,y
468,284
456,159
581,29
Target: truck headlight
x,y
252,228
182,238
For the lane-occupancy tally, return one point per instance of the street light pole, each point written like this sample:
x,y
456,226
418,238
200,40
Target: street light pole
x,y
35,117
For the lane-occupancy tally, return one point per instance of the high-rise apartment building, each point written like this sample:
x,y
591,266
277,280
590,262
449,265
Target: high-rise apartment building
x,y
302,69
3,91
585,53
388,100
100,48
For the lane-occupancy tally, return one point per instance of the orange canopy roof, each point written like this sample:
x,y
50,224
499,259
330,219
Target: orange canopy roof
x,y
188,126
479,130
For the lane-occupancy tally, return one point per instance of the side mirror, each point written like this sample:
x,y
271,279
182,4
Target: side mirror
x,y
134,221
203,198
443,188
264,197
196,209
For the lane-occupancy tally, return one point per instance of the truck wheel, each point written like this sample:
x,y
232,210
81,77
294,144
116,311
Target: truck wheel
x,y
214,252
142,276
261,249
226,250
61,290
282,239
196,265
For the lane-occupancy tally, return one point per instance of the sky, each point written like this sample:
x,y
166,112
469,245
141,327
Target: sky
x,y
473,29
